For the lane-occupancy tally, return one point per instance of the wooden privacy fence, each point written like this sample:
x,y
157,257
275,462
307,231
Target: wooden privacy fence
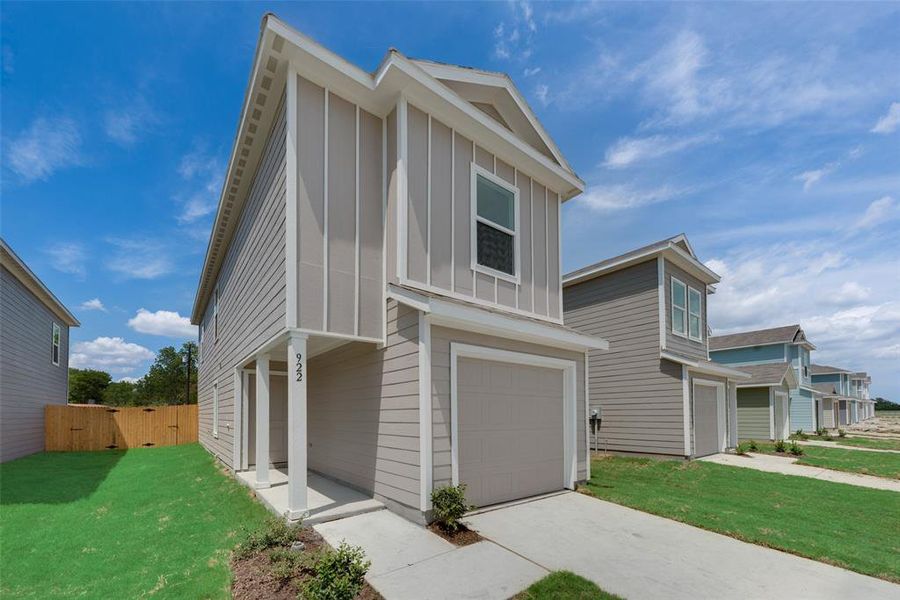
x,y
75,428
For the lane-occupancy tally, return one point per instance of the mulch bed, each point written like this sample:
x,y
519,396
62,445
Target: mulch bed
x,y
462,537
253,579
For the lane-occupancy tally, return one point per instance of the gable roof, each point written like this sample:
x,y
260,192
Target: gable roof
x,y
769,374
26,277
825,369
676,249
788,334
280,49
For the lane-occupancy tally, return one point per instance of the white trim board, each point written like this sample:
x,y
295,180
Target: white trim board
x,y
570,400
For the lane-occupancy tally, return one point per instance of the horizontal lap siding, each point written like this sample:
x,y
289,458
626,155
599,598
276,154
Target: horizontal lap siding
x,y
28,378
441,337
802,410
753,413
640,396
364,412
251,288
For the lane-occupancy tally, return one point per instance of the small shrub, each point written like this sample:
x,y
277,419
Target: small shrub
x,y
275,532
285,563
828,437
450,505
752,446
842,433
821,431
340,574
741,449
799,435
780,446
796,449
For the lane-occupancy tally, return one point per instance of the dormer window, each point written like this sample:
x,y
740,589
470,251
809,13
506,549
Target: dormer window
x,y
679,307
695,312
495,225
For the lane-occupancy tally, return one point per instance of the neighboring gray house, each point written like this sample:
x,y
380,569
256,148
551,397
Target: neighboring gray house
x,y
655,390
34,355
380,301
778,348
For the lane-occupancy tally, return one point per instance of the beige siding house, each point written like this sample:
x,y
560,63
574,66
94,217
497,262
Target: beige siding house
x,y
655,391
380,303
34,355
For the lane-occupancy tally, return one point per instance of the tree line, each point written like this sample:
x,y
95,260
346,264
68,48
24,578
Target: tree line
x,y
165,382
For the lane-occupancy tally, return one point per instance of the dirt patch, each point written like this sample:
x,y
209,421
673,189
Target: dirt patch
x,y
878,426
254,579
461,537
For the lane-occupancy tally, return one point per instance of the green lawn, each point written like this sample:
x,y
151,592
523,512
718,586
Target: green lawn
x,y
878,444
881,464
563,585
853,527
120,524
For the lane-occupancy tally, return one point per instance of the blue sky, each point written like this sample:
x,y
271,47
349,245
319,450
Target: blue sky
x,y
769,133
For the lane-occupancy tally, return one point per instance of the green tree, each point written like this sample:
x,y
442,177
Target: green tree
x,y
166,381
86,386
120,393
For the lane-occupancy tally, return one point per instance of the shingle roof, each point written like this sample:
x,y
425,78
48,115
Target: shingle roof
x,y
821,369
770,373
760,337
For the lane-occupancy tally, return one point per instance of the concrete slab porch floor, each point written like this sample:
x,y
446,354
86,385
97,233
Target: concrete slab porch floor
x,y
328,500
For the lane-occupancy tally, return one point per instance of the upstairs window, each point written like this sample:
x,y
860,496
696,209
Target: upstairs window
x,y
216,315
55,341
215,410
494,225
695,315
679,307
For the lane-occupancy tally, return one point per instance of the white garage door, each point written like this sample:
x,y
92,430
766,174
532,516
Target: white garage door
x,y
511,440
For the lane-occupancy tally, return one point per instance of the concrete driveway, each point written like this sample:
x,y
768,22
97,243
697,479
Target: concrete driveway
x,y
638,555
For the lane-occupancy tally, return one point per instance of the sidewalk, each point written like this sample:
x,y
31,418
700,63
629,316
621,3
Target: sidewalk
x,y
787,466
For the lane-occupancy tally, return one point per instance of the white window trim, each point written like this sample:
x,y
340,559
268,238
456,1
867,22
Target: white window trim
x,y
215,410
570,400
475,218
216,315
55,332
699,314
684,319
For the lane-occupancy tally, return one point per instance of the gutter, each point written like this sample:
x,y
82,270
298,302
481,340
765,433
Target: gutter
x,y
709,368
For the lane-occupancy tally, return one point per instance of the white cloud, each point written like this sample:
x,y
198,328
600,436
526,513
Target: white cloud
x,y
851,291
129,379
810,178
162,322
47,145
125,123
93,304
892,351
139,258
620,197
111,354
68,257
627,151
202,175
889,122
879,211
513,38
530,72
542,93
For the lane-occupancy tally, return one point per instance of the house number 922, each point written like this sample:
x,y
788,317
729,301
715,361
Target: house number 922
x,y
299,367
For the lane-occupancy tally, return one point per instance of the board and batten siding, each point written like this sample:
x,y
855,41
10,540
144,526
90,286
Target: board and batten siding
x,y
676,343
364,412
438,249
338,226
441,338
754,419
251,292
29,378
640,397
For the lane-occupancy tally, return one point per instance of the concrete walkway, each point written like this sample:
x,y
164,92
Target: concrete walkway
x,y
637,555
824,444
787,466
410,562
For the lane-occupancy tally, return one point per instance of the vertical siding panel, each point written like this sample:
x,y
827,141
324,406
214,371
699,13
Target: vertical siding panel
x,y
391,166
370,225
525,243
417,221
539,241
341,215
553,277
311,199
462,215
441,205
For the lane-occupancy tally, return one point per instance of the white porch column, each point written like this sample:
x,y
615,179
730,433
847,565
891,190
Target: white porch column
x,y
262,421
297,426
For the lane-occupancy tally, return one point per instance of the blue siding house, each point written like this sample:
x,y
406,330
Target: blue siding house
x,y
771,351
849,402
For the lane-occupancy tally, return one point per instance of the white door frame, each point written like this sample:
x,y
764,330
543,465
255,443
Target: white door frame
x,y
722,428
244,416
570,415
785,414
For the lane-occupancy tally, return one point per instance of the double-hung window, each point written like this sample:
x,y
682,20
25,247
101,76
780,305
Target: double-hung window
x,y
494,225
215,410
679,307
55,342
695,312
216,315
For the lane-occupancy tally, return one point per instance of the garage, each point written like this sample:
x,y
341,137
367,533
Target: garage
x,y
709,417
511,427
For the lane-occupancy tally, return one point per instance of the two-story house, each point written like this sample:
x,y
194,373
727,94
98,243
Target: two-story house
x,y
34,355
860,386
846,394
779,398
380,302
655,391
